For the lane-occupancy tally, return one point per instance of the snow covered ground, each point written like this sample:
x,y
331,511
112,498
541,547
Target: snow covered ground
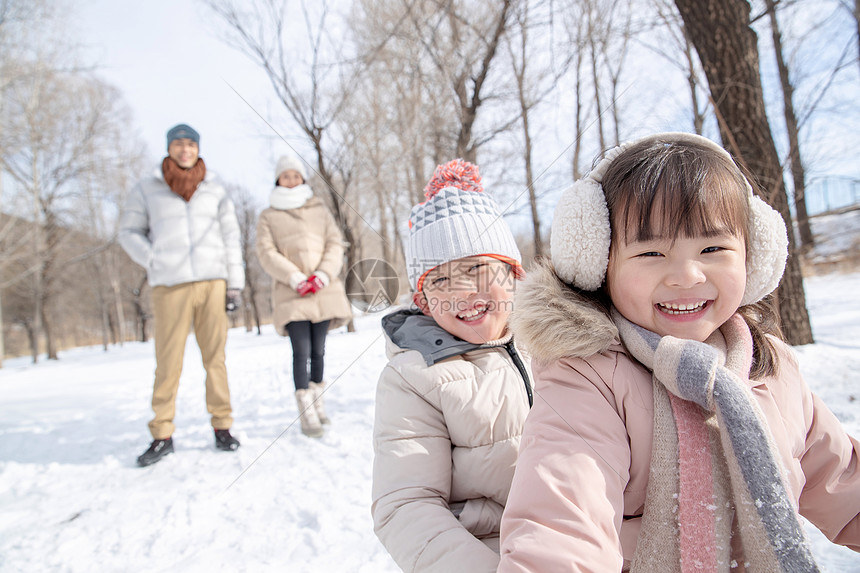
x,y
72,498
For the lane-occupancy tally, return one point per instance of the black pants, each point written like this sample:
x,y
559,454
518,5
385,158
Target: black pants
x,y
308,340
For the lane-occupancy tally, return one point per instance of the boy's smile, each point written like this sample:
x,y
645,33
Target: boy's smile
x,y
686,287
471,298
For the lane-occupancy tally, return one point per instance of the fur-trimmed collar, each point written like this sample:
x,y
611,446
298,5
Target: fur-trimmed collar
x,y
553,321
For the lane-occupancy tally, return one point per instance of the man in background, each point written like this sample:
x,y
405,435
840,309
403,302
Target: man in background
x,y
180,225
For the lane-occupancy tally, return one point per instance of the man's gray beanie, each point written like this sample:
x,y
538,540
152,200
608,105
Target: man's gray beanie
x,y
182,131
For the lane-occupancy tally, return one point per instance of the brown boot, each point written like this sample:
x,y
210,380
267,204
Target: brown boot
x,y
307,411
319,388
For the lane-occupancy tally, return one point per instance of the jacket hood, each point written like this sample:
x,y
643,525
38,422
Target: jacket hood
x,y
410,329
553,321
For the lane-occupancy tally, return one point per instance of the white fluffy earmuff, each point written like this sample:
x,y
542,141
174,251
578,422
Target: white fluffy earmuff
x,y
579,243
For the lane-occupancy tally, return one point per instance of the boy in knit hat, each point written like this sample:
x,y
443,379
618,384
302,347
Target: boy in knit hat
x,y
452,400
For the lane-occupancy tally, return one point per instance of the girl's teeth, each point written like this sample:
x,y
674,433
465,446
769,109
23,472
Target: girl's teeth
x,y
672,308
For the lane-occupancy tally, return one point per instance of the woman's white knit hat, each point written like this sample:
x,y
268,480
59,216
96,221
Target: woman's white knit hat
x,y
579,245
457,220
288,162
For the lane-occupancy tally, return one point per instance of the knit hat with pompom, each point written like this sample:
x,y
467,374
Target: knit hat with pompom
x,y
457,220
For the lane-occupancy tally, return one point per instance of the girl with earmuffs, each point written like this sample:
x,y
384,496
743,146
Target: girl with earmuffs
x,y
671,429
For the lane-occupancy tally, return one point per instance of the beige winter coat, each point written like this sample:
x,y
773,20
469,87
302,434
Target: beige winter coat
x,y
579,491
304,239
445,439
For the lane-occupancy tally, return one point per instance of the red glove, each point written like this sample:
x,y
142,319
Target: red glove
x,y
312,285
316,284
304,288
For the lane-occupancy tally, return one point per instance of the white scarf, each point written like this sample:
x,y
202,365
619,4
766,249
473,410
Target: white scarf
x,y
290,198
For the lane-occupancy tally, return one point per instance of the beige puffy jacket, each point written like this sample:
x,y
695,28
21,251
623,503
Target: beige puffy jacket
x,y
304,239
449,415
578,495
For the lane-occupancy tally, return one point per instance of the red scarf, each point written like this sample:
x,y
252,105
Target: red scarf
x,y
181,181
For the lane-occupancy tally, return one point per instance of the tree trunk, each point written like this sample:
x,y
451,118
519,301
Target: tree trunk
x,y
577,117
467,149
120,313
38,276
340,213
693,82
96,264
139,309
33,336
530,185
47,328
857,21
2,342
519,63
798,173
726,44
595,78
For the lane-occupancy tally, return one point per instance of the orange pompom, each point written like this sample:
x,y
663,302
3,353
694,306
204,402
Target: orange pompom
x,y
457,173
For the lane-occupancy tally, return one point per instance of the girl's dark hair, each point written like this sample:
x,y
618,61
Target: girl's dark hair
x,y
672,189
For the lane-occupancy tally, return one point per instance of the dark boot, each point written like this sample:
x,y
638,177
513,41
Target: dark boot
x,y
157,450
224,441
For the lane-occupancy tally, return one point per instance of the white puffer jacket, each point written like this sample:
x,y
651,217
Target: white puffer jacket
x,y
449,415
180,242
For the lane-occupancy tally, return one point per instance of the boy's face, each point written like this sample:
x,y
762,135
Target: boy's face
x,y
471,298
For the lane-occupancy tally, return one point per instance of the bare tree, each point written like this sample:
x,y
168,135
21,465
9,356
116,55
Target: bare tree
x,y
595,37
314,93
576,26
519,63
615,59
57,121
116,163
532,85
727,48
853,8
669,20
18,34
462,40
247,212
798,172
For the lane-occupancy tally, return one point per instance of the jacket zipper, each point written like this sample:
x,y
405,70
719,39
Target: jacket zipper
x,y
512,351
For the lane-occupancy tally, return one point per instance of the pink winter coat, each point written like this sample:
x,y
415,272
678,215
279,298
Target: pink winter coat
x,y
578,493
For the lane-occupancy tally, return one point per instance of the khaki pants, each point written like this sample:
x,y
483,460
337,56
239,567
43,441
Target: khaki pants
x,y
176,308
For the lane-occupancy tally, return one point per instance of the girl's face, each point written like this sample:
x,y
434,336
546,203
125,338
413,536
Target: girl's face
x,y
471,298
685,287
290,178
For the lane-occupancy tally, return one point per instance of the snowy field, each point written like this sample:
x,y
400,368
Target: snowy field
x,y
73,499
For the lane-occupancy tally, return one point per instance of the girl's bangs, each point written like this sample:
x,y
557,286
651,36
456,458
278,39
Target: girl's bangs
x,y
667,191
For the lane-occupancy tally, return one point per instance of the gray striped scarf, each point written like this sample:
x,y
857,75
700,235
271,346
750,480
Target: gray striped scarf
x,y
686,525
